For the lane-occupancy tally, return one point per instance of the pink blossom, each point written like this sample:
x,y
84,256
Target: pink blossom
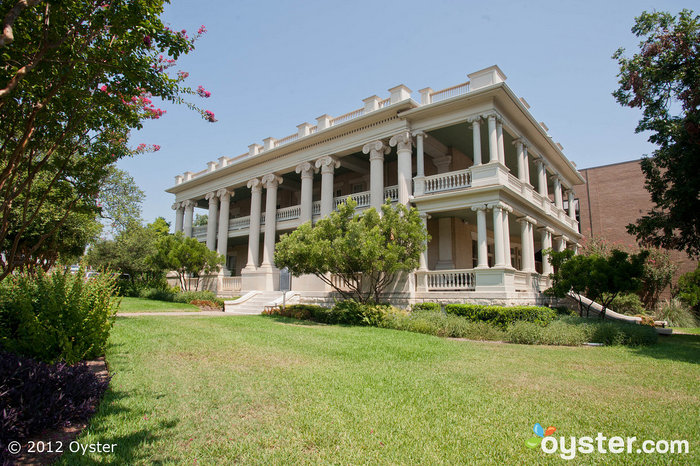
x,y
209,116
103,88
203,92
182,74
147,41
202,29
156,147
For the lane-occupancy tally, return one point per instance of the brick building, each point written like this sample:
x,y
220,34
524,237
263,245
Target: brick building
x,y
613,197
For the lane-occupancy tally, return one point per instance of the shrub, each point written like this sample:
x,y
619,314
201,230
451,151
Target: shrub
x,y
189,296
206,304
440,324
688,289
677,314
426,307
158,294
572,331
502,317
37,396
629,304
57,317
558,332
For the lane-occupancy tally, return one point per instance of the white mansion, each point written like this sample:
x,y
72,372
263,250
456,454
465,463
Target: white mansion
x,y
492,186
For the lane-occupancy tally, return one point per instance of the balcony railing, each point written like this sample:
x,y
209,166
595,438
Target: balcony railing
x,y
240,223
231,284
453,91
199,232
448,181
448,280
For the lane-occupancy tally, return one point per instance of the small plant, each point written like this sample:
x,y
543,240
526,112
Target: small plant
x,y
428,306
502,317
629,304
35,396
676,313
688,290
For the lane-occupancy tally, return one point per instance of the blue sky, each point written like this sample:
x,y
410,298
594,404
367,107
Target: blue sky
x,y
273,65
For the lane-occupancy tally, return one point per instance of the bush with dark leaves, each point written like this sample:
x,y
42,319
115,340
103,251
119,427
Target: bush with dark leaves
x,y
35,396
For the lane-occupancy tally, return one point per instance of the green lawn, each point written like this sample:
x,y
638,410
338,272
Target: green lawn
x,y
693,330
151,305
219,390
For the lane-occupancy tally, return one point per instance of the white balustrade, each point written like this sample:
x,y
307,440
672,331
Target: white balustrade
x,y
199,232
348,116
289,213
448,181
362,199
391,192
453,91
288,139
231,284
384,103
316,208
240,223
338,282
449,280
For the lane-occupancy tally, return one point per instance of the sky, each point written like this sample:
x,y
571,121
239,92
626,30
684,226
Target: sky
x,y
271,65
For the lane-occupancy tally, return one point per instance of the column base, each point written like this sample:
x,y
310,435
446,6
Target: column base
x,y
264,278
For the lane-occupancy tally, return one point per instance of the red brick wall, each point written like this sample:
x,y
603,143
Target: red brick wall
x,y
614,196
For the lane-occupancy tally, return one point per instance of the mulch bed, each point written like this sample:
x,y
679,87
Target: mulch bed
x,y
64,435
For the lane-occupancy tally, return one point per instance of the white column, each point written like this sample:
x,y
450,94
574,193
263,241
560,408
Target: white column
x,y
445,261
376,151
306,169
498,251
542,179
527,165
189,217
506,237
526,245
481,238
558,201
560,243
499,135
270,183
493,139
546,244
403,143
419,180
570,198
327,165
531,244
476,140
225,201
520,151
423,259
254,229
179,215
212,219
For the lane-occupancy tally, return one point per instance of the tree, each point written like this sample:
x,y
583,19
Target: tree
x,y
365,252
599,278
187,257
663,79
200,220
76,77
120,199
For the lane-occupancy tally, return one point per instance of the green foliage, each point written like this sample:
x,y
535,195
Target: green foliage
x,y
662,80
186,257
442,325
677,313
347,312
189,296
76,77
200,220
599,278
426,307
688,289
129,253
57,317
629,304
502,317
572,331
120,199
365,251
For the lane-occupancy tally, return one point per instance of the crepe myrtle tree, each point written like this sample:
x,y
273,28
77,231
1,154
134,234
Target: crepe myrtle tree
x,y
185,256
76,76
364,251
597,277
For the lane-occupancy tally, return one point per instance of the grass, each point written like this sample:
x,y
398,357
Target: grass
x,y
219,390
151,305
691,330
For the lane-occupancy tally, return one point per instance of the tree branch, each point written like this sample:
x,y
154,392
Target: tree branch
x,y
7,36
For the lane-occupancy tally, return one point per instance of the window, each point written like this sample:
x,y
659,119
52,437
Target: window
x,y
338,192
358,188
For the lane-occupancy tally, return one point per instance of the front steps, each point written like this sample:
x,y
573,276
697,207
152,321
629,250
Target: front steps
x,y
254,302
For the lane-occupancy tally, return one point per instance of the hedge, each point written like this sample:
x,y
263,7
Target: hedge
x,y
502,317
426,307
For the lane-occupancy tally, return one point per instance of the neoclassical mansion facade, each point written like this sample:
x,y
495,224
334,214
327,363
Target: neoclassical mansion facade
x,y
494,190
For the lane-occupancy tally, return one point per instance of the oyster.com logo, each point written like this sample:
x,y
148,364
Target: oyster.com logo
x,y
541,433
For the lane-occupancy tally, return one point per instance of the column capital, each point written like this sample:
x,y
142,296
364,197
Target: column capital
x,y
569,191
211,195
526,219
475,120
564,238
187,203
254,184
500,206
420,133
327,164
376,150
306,169
177,205
425,215
479,207
546,229
221,193
271,180
402,141
493,114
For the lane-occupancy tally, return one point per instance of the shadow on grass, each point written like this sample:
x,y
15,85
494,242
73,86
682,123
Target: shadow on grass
x,y
685,348
291,321
130,446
